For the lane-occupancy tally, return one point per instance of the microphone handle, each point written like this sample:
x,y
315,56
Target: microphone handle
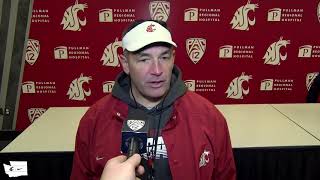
x,y
133,147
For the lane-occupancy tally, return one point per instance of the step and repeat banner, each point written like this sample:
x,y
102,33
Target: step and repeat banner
x,y
231,51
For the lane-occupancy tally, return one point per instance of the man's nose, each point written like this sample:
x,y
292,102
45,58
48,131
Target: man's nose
x,y
156,68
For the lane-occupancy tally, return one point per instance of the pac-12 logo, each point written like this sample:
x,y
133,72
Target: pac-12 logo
x,y
241,20
76,90
273,55
235,89
110,55
34,113
195,48
32,51
159,10
70,20
310,78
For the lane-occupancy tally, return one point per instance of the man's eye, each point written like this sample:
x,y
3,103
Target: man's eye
x,y
142,60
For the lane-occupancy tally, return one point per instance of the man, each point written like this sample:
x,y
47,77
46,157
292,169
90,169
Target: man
x,y
188,136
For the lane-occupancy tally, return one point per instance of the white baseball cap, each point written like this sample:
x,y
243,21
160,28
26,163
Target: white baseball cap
x,y
144,34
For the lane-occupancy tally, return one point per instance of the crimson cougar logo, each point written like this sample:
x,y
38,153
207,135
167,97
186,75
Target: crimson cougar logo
x,y
159,10
76,90
70,20
273,55
235,89
110,55
195,48
240,20
33,51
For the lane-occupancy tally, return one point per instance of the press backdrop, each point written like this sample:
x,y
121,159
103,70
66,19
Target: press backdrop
x,y
231,51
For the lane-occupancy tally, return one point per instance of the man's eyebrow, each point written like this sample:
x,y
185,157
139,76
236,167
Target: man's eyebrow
x,y
142,54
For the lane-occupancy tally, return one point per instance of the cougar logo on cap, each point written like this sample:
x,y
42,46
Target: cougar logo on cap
x,y
150,28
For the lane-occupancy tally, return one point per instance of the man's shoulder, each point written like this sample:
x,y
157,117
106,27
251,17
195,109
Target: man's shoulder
x,y
192,98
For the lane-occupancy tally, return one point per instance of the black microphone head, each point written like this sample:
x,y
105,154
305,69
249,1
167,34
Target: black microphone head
x,y
136,126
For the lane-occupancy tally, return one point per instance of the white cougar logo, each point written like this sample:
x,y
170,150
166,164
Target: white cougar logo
x,y
71,20
273,55
235,89
76,91
240,20
110,55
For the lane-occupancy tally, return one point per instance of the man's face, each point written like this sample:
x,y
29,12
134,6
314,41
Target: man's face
x,y
150,71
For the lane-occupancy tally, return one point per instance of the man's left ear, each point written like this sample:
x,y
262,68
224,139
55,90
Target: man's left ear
x,y
124,63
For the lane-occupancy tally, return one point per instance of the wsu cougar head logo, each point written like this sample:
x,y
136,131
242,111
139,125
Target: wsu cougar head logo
x,y
195,48
273,55
235,89
70,20
33,51
110,55
240,20
159,10
76,91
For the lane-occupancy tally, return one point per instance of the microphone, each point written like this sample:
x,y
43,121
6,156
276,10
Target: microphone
x,y
135,133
